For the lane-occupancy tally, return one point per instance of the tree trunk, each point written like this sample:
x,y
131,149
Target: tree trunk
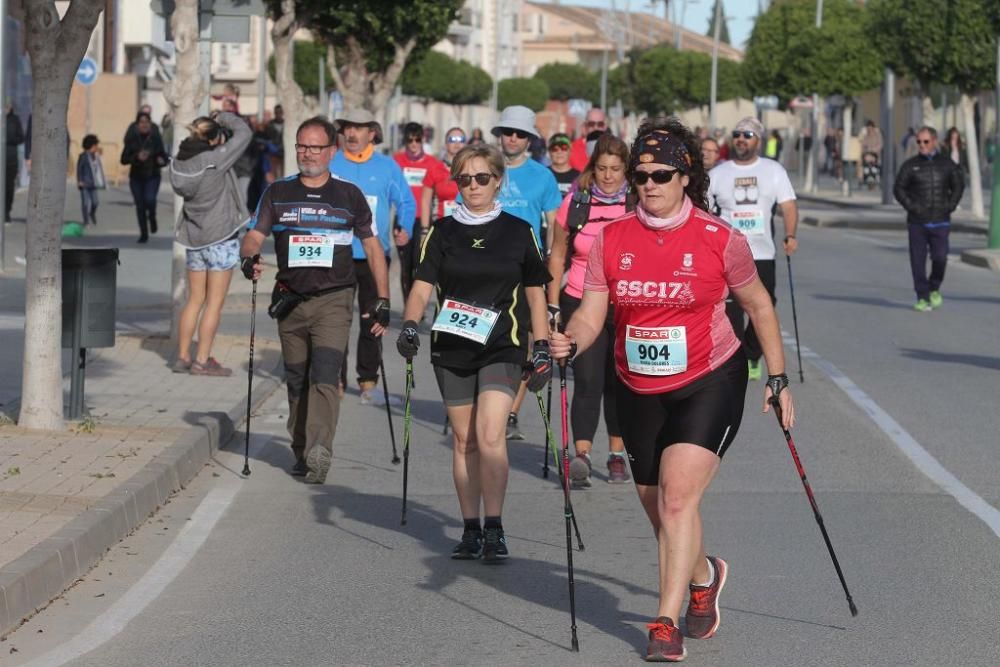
x,y
972,148
55,49
185,95
289,92
361,88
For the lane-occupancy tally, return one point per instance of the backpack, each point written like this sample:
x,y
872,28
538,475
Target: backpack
x,y
578,216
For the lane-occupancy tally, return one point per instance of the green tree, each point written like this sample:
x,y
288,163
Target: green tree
x,y
532,93
569,81
723,29
953,44
371,42
788,56
442,79
305,68
664,80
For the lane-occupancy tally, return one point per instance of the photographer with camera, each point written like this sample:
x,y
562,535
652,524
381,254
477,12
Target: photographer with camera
x,y
214,211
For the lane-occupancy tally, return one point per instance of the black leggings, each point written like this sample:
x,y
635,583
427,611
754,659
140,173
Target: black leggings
x,y
593,379
742,326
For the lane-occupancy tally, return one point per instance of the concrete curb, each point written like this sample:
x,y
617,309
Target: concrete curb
x,y
30,582
985,258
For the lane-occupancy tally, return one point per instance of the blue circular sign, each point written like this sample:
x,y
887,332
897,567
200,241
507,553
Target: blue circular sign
x,y
87,72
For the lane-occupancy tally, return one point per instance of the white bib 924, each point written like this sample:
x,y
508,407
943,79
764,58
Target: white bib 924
x,y
656,350
462,319
310,251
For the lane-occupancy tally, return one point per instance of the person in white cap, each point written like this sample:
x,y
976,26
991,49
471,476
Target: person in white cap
x,y
529,191
743,191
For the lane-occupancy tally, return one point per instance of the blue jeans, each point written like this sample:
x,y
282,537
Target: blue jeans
x,y
144,191
88,205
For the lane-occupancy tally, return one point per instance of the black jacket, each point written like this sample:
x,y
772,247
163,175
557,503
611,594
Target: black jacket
x,y
929,188
156,155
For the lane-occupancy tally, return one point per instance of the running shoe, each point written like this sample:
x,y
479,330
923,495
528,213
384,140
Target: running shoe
x,y
617,470
318,462
703,609
513,432
753,370
579,471
922,306
471,546
936,299
494,546
666,644
299,469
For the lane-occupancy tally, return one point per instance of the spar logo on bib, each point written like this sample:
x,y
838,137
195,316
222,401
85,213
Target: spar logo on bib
x,y
625,261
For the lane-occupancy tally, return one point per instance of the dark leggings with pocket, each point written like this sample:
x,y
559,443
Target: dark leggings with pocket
x,y
593,379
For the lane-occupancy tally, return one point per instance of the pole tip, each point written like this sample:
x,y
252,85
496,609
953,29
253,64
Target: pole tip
x,y
576,644
395,460
246,471
854,609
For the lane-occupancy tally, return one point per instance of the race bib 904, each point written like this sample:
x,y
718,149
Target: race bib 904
x,y
462,319
310,251
656,350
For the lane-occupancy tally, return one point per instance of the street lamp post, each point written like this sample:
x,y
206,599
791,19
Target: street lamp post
x,y
715,65
811,179
994,237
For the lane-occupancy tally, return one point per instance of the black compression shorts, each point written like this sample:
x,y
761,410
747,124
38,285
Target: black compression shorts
x,y
461,386
706,413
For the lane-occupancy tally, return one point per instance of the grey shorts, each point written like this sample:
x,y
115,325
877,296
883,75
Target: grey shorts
x,y
221,256
460,386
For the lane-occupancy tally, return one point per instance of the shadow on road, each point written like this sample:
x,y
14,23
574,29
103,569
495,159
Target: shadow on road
x,y
977,360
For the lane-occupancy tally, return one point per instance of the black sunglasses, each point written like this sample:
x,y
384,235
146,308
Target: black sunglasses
x,y
746,135
465,180
660,176
508,132
924,142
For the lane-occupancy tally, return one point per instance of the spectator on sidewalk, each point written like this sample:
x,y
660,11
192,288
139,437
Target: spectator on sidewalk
x,y
214,211
929,186
14,138
143,150
772,149
954,148
871,145
90,178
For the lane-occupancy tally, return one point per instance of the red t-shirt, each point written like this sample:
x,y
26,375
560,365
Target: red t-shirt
x,y
414,172
578,157
669,290
445,190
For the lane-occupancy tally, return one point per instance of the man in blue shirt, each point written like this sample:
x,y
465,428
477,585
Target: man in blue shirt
x,y
529,191
384,186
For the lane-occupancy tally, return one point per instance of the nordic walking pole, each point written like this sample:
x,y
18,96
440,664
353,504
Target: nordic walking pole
x,y
568,506
406,435
548,431
253,326
812,501
551,442
795,317
388,411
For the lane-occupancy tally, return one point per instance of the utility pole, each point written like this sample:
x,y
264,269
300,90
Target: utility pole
x,y
715,65
810,184
262,68
3,124
888,135
994,238
498,20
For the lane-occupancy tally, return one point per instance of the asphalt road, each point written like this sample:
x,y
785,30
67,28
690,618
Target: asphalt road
x,y
269,571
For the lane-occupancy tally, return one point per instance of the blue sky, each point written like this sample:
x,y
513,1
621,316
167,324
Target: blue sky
x,y
741,13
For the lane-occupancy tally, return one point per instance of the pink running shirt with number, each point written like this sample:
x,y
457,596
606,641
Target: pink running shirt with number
x,y
677,277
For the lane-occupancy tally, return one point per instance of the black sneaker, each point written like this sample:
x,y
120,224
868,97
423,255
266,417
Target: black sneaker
x,y
471,546
495,546
300,469
513,432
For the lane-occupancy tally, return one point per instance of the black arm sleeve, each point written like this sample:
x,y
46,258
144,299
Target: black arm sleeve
x,y
956,183
535,272
899,190
430,256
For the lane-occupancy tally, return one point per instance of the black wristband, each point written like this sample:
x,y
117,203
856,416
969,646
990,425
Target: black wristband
x,y
777,383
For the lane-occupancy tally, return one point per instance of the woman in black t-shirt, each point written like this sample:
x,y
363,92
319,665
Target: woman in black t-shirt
x,y
490,278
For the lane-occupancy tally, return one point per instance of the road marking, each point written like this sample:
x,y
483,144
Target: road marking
x,y
913,450
170,564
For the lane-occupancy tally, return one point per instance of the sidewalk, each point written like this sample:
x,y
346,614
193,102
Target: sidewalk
x,y
67,497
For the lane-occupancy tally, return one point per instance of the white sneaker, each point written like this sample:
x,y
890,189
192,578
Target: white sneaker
x,y
377,398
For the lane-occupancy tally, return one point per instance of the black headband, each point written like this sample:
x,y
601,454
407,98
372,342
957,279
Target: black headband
x,y
662,147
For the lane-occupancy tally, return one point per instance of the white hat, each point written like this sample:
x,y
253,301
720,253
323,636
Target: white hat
x,y
516,118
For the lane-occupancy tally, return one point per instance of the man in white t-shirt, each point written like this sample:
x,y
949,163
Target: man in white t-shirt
x,y
744,191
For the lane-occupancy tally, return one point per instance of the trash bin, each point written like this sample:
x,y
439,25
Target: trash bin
x,y
89,282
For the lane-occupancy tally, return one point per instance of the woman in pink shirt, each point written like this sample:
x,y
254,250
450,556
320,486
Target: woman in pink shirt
x,y
601,195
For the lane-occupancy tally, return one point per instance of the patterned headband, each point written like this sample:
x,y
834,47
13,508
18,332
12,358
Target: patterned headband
x,y
662,147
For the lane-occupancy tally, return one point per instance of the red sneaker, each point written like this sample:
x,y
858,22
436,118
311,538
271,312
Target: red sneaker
x,y
702,615
666,644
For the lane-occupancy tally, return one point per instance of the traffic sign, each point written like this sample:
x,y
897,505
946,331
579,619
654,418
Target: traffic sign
x,y
766,102
87,72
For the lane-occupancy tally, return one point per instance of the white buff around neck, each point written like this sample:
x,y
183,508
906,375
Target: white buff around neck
x,y
467,217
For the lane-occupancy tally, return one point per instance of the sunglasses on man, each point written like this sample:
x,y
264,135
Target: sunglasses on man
x,y
660,176
510,132
465,180
925,142
456,139
746,135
